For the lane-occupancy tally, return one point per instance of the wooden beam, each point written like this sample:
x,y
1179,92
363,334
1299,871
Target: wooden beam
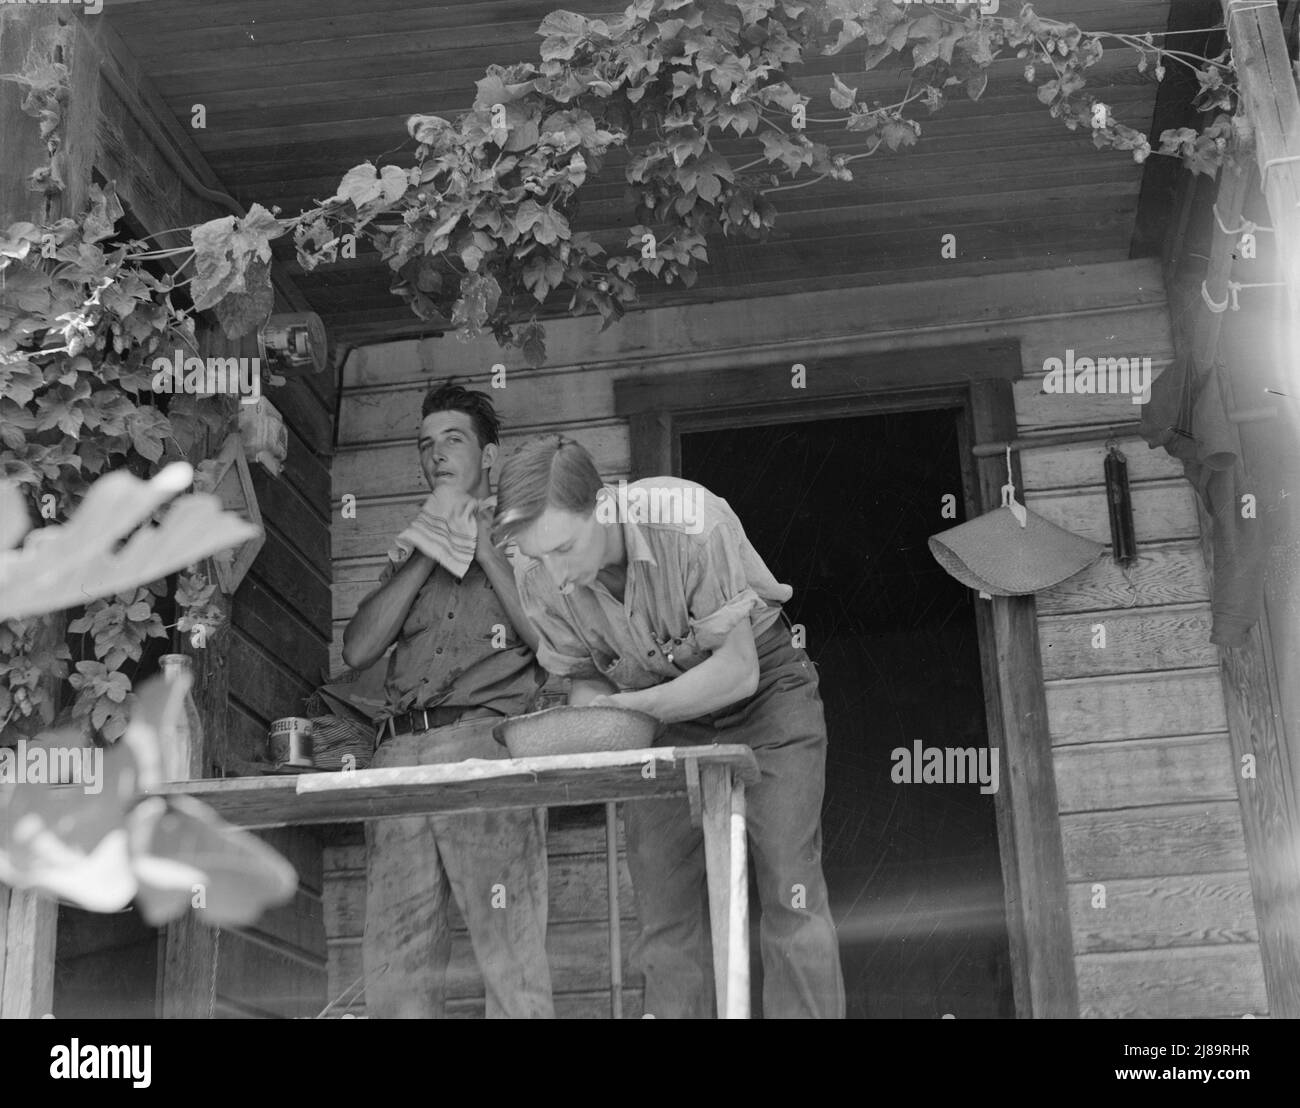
x,y
476,785
823,379
27,934
1268,91
22,31
1030,842
1231,197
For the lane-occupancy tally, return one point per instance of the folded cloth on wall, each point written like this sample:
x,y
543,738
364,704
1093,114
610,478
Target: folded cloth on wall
x,y
445,529
1188,417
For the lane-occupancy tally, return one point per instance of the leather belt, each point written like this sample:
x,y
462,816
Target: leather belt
x,y
417,720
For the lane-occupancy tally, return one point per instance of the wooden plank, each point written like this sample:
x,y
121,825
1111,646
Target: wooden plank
x,y
301,847
393,321
393,469
308,522
1272,104
1163,913
723,803
1153,842
1144,772
1019,173
27,946
1039,410
22,31
1029,834
463,786
279,629
551,397
263,684
1165,573
1135,706
247,739
1187,983
187,956
1162,510
1075,465
1268,809
677,336
1136,640
127,78
824,378
288,573
450,92
268,977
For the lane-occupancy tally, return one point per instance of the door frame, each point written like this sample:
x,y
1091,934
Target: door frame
x,y
975,379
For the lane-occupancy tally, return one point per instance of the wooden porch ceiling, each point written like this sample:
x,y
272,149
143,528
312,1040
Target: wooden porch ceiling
x,y
298,91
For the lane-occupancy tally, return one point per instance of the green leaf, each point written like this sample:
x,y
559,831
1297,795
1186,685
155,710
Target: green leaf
x,y
105,211
148,427
363,184
561,31
241,312
841,95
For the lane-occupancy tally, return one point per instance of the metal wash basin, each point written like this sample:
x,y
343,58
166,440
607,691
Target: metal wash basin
x,y
569,730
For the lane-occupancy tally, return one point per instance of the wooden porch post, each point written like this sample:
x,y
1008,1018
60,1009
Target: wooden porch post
x,y
27,920
1272,104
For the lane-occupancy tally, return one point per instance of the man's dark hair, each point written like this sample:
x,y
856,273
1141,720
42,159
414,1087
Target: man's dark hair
x,y
476,405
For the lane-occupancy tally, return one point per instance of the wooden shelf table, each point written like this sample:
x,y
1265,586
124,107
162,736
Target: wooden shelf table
x,y
713,778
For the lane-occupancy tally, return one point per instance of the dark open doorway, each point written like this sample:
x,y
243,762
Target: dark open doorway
x,y
840,509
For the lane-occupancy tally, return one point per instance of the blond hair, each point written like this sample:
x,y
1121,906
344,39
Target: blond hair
x,y
550,471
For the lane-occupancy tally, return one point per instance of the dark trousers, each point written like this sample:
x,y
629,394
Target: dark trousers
x,y
784,724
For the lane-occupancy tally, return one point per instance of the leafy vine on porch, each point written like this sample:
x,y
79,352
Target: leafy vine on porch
x,y
480,230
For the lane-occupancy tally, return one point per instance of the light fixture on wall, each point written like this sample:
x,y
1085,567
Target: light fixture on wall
x,y
292,344
1119,502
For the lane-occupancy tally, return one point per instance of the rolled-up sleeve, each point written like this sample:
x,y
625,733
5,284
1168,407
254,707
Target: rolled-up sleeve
x,y
559,649
718,592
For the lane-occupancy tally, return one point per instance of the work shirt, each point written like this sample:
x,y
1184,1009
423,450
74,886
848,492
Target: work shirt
x,y
458,648
692,576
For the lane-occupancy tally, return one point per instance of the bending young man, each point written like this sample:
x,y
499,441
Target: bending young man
x,y
464,659
680,618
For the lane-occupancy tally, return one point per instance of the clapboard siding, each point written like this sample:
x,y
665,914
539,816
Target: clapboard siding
x,y
1201,982
1143,766
1170,839
1100,709
1159,912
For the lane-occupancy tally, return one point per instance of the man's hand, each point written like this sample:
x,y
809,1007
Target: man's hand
x,y
632,700
484,549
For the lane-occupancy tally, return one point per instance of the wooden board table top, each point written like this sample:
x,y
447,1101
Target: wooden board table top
x,y
472,785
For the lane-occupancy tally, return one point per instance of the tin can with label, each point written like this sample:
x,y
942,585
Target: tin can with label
x,y
291,741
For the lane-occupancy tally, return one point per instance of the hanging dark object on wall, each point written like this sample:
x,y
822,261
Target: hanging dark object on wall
x,y
1119,502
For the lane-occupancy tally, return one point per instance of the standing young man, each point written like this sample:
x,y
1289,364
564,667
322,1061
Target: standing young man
x,y
680,618
464,659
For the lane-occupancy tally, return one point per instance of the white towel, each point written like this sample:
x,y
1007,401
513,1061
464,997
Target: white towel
x,y
445,529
